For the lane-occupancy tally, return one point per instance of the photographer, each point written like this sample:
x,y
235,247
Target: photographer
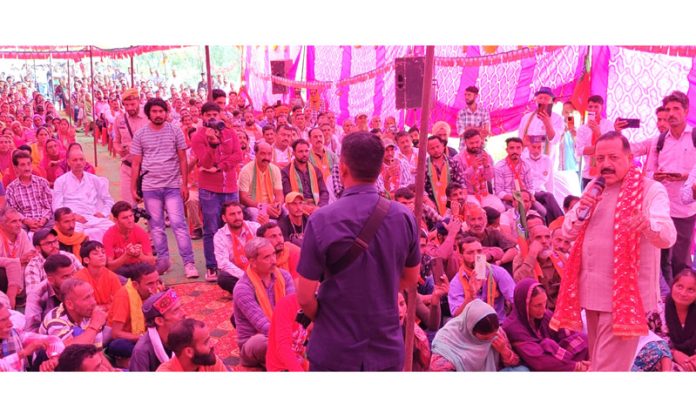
x,y
126,242
218,152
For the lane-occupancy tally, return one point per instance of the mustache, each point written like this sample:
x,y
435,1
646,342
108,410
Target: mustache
x,y
607,171
265,160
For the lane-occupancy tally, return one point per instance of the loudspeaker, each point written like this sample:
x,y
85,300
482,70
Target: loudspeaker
x,y
409,74
279,69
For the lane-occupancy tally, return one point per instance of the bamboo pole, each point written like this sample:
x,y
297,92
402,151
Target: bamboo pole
x,y
420,189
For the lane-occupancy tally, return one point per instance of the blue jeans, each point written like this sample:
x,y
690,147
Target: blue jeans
x,y
169,199
211,204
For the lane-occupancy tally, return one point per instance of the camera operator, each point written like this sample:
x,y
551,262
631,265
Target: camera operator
x,y
126,242
125,126
218,152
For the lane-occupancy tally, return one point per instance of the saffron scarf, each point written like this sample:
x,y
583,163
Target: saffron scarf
x,y
238,248
296,182
260,290
478,181
628,315
520,216
439,184
282,259
465,274
393,183
136,309
74,241
260,182
559,263
325,164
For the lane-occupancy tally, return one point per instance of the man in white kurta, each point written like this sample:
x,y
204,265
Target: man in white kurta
x,y
87,195
609,352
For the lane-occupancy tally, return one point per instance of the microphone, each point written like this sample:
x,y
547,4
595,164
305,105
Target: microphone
x,y
595,191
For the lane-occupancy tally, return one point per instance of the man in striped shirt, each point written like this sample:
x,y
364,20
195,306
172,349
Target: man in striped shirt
x,y
159,152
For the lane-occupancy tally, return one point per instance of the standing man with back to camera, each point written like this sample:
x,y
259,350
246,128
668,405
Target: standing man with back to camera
x,y
355,311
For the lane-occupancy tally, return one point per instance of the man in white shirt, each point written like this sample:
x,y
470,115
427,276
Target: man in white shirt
x,y
642,148
229,243
587,136
542,122
541,172
282,152
671,159
86,195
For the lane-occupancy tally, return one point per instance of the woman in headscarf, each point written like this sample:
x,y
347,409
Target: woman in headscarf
x,y
541,348
473,342
52,161
680,318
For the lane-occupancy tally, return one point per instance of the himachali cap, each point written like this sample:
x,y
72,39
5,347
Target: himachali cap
x,y
130,93
545,90
158,304
536,138
292,196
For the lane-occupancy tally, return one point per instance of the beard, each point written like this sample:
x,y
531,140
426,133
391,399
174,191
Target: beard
x,y
473,151
249,124
201,359
158,120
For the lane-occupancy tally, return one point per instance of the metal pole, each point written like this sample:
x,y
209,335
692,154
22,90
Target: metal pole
x,y
94,104
36,82
51,87
420,189
132,70
207,68
70,112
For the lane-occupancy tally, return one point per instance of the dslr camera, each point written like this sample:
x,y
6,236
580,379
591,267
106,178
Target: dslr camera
x,y
139,213
215,124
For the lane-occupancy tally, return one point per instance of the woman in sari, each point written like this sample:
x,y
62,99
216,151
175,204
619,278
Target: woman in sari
x,y
52,161
541,348
680,318
38,148
473,342
66,133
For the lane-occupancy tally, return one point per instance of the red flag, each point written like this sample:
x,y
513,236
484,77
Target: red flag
x,y
581,93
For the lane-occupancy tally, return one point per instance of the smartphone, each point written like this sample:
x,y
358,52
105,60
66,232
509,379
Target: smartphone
x,y
546,108
631,123
480,266
263,208
591,115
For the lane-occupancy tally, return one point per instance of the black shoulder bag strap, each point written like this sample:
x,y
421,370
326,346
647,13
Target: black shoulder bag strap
x,y
362,241
661,140
125,117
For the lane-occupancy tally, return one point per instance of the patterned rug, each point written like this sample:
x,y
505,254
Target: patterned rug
x,y
213,305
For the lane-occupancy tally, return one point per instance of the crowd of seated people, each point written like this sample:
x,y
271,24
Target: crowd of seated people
x,y
81,282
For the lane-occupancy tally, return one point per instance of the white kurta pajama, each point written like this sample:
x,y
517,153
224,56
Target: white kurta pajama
x,y
85,197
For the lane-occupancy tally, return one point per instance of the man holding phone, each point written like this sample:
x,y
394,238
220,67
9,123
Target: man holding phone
x,y
594,127
672,156
543,122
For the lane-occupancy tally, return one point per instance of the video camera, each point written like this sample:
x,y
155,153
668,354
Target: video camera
x,y
215,124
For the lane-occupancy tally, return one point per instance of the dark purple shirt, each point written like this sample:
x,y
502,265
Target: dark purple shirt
x,y
357,324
